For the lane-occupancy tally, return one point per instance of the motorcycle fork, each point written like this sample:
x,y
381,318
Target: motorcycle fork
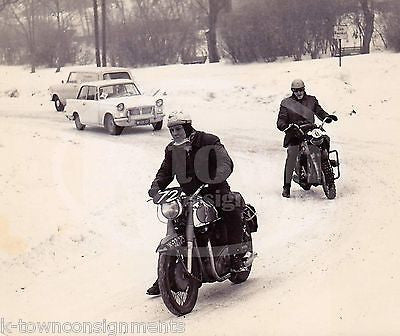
x,y
314,162
190,236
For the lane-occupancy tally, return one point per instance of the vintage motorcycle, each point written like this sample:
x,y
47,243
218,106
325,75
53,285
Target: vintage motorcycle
x,y
195,249
316,164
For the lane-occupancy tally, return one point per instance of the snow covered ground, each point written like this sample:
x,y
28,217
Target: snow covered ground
x,y
77,238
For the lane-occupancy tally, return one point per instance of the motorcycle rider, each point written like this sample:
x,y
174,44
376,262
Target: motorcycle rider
x,y
295,114
196,158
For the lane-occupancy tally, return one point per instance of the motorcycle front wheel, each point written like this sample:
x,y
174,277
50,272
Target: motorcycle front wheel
x,y
328,180
178,291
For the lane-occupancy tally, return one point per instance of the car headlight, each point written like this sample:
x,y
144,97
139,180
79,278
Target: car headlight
x,y
120,107
159,102
171,210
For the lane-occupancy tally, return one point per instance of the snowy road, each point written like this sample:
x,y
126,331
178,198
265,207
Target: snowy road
x,y
77,238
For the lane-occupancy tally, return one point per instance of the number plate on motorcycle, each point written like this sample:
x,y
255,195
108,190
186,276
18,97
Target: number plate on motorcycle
x,y
167,196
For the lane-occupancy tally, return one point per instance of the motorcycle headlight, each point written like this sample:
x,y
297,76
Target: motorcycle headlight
x,y
316,133
120,107
159,102
171,210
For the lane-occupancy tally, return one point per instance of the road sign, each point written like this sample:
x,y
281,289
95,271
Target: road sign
x,y
340,32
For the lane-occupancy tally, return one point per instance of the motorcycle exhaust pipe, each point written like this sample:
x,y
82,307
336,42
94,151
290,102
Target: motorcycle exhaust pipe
x,y
190,256
213,270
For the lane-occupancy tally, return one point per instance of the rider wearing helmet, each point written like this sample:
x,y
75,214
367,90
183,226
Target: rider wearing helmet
x,y
196,158
295,113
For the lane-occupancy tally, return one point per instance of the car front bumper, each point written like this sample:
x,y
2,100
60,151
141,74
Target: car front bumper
x,y
141,121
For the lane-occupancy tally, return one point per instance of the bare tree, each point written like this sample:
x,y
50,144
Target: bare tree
x,y
214,9
367,28
96,32
25,16
5,3
59,32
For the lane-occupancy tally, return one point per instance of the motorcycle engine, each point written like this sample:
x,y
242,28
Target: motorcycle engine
x,y
316,136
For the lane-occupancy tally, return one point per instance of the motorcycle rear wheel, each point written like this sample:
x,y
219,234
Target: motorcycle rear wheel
x,y
240,277
328,181
171,280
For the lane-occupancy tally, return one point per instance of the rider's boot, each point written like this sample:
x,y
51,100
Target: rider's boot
x,y
286,191
154,289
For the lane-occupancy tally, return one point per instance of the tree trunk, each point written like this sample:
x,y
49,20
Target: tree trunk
x,y
96,33
369,17
103,32
214,9
58,42
32,37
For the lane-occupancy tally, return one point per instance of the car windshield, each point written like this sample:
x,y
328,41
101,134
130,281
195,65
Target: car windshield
x,y
118,90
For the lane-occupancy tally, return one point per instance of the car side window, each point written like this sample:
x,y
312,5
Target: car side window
x,y
117,75
91,93
86,77
83,92
72,78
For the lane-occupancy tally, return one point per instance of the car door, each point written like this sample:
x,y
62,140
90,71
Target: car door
x,y
81,105
92,105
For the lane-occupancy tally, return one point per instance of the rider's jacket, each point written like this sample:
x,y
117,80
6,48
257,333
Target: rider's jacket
x,y
204,160
294,111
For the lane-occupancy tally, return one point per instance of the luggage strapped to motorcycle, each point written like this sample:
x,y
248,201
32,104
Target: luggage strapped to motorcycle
x,y
250,217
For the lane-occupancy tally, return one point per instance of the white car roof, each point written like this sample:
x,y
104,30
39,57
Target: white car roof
x,y
108,82
99,70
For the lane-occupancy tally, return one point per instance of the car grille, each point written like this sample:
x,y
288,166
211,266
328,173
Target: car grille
x,y
141,110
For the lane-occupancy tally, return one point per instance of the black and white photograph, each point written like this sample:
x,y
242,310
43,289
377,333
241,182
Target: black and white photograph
x,y
199,167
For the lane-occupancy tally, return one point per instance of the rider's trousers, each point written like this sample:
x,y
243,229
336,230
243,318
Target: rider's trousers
x,y
290,164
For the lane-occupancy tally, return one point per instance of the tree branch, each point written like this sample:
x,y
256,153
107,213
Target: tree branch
x,y
5,3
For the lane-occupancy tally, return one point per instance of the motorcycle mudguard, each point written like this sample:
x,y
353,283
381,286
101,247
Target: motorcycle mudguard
x,y
314,165
171,242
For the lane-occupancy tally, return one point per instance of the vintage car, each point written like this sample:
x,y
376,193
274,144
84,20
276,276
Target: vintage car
x,y
114,104
61,92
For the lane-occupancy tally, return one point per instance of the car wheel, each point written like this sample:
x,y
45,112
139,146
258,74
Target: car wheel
x,y
157,125
110,126
58,104
78,123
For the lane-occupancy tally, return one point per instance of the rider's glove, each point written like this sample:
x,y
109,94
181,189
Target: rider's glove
x,y
307,127
331,118
293,131
292,128
153,192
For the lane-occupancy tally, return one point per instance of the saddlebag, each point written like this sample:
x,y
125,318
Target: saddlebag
x,y
249,214
250,217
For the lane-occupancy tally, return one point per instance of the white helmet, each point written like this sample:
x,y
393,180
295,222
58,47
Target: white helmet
x,y
297,84
178,118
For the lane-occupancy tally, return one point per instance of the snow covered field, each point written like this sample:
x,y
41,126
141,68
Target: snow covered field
x,y
77,238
